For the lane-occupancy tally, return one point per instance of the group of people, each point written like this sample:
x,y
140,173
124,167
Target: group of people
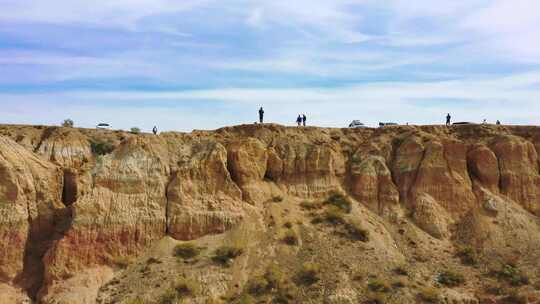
x,y
449,119
300,120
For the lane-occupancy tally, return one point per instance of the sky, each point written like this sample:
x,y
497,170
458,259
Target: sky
x,y
204,64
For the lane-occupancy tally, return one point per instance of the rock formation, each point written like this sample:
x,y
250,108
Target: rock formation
x,y
77,203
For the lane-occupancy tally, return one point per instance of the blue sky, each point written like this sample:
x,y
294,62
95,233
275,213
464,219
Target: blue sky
x,y
203,64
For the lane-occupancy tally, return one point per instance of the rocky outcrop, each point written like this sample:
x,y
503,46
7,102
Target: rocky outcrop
x,y
72,214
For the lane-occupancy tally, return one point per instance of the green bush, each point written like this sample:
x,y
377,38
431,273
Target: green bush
x,y
376,298
378,286
357,232
185,287
512,275
136,300
451,279
468,255
309,274
514,298
290,238
225,254
340,201
277,199
401,270
100,147
334,215
135,130
310,205
429,295
272,279
169,297
186,251
68,123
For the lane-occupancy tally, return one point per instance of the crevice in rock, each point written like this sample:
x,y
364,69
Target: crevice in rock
x,y
69,190
42,235
172,177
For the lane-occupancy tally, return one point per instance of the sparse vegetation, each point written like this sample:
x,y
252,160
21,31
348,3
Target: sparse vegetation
x,y
401,270
277,199
225,254
429,295
400,283
376,298
378,286
310,205
246,299
356,231
334,215
152,260
340,201
68,123
185,287
122,262
136,300
186,251
169,297
309,274
135,130
468,255
511,275
514,298
450,279
290,238
100,147
288,225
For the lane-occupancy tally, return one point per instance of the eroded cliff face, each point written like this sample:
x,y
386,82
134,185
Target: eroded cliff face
x,y
71,210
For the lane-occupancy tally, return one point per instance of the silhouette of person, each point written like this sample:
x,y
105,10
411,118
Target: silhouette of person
x,y
154,130
299,120
448,119
498,123
304,118
261,115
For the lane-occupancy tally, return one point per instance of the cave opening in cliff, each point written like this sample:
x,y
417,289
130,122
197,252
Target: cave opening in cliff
x,y
69,191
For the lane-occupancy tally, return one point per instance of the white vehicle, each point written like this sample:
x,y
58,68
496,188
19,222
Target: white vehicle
x,y
103,126
357,124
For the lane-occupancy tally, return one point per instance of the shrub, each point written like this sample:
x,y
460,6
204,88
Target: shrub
x,y
512,275
68,123
309,274
273,278
334,216
225,254
136,300
310,205
450,279
378,286
340,201
277,199
122,262
186,251
290,238
401,283
288,225
135,130
169,297
429,295
468,255
99,147
357,232
185,287
401,270
153,260
514,298
376,298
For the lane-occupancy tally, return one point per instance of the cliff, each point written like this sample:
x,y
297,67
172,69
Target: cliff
x,y
83,210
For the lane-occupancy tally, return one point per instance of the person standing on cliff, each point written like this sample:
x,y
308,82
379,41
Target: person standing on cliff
x,y
299,120
154,130
448,119
304,118
261,115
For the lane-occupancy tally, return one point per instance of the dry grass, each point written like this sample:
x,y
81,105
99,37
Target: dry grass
x,y
309,274
429,295
450,279
186,251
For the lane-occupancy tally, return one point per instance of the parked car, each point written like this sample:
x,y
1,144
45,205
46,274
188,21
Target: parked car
x,y
385,124
357,124
103,126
